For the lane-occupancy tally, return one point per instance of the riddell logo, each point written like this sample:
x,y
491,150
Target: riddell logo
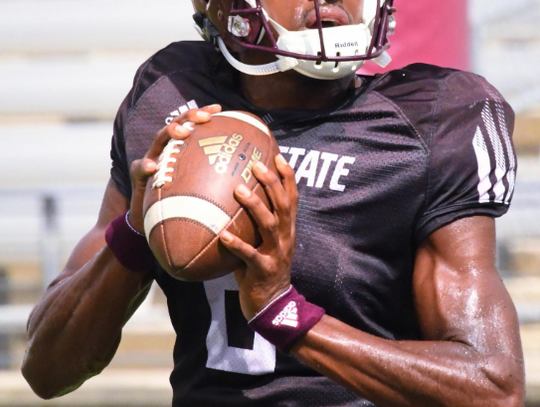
x,y
346,44
288,316
220,150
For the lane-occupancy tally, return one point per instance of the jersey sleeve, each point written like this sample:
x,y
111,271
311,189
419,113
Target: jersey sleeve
x,y
472,163
119,166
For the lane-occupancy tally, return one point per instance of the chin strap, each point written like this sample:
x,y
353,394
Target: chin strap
x,y
281,65
383,60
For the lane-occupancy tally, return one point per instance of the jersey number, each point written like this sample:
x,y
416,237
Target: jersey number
x,y
231,345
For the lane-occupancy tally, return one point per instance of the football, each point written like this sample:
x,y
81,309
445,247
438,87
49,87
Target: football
x,y
190,199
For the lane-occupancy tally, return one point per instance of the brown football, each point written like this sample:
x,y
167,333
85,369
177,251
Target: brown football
x,y
190,199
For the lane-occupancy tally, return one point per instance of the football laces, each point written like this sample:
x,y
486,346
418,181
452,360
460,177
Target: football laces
x,y
163,176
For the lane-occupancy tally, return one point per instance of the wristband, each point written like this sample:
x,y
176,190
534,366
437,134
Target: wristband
x,y
128,245
286,319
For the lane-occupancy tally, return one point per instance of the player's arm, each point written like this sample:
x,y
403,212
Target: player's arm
x,y
75,329
471,355
472,352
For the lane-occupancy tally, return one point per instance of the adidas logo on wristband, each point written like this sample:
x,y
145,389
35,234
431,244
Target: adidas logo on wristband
x,y
289,310
288,316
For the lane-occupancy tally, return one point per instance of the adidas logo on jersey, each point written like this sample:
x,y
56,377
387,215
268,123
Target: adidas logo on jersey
x,y
220,149
288,316
181,109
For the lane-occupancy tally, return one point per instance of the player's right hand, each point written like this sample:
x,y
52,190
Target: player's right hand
x,y
179,129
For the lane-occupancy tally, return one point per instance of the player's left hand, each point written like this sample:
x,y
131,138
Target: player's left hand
x,y
267,270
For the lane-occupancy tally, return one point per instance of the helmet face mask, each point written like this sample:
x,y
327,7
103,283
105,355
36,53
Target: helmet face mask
x,y
320,52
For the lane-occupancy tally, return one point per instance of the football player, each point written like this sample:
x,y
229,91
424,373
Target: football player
x,y
375,284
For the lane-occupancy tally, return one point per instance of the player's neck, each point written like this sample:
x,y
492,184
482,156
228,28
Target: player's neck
x,y
291,90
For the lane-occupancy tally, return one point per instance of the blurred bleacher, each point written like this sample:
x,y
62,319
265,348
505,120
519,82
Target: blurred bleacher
x,y
65,66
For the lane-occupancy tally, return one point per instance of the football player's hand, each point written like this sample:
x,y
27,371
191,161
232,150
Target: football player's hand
x,y
267,268
180,128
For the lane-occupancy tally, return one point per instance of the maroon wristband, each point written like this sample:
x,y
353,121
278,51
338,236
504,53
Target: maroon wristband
x,y
129,246
286,319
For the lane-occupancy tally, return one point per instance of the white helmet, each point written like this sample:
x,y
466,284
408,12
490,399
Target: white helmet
x,y
320,53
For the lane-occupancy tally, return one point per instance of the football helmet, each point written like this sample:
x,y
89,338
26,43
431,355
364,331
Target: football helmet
x,y
320,52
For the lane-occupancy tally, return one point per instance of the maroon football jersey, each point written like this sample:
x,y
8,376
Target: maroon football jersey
x,y
403,155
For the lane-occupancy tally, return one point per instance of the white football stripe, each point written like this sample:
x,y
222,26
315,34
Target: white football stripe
x,y
246,118
187,207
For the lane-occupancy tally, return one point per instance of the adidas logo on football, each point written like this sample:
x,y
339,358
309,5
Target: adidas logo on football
x,y
288,316
220,150
181,109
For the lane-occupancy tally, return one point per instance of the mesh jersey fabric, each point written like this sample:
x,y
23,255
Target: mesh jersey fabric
x,y
407,153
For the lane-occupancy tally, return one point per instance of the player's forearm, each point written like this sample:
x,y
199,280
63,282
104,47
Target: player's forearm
x,y
75,329
393,373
